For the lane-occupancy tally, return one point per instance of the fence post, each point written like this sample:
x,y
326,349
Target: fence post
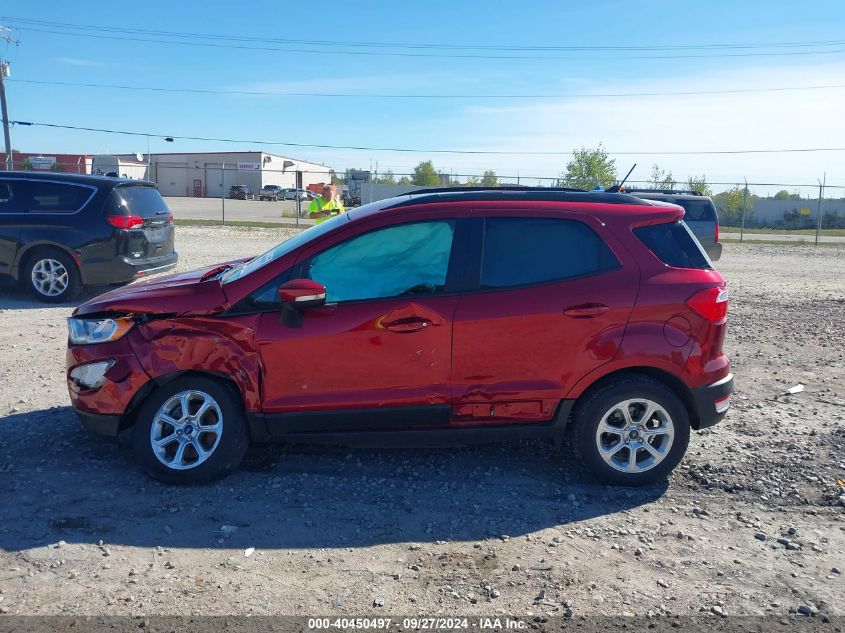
x,y
744,204
223,190
819,211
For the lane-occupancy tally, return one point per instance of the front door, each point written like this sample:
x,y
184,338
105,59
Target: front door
x,y
550,303
378,354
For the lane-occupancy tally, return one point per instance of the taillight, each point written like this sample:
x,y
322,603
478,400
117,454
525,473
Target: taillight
x,y
711,303
717,231
125,221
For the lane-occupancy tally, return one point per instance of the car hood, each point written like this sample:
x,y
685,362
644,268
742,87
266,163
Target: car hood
x,y
182,293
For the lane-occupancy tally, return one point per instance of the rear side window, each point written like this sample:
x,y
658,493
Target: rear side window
x,y
674,244
142,201
53,197
697,210
522,251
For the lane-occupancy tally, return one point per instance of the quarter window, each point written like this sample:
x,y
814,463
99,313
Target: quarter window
x,y
405,260
53,197
523,251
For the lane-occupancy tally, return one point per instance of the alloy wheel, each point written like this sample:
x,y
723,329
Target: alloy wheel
x,y
635,435
186,430
50,277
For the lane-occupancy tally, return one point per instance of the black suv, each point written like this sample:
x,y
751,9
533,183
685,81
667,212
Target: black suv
x,y
700,214
241,192
60,232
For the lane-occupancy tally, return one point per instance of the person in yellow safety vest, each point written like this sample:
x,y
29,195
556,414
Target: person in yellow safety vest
x,y
322,208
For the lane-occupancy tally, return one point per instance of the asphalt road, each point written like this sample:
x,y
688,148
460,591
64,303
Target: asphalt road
x,y
783,237
235,210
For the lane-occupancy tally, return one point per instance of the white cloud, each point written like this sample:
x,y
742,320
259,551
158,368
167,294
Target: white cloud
x,y
75,61
761,120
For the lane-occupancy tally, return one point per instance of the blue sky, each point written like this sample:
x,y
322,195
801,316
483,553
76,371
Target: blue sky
x,y
764,120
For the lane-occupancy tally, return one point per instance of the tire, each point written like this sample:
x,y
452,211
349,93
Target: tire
x,y
51,275
666,431
224,447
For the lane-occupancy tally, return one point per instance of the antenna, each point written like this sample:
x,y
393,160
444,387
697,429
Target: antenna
x,y
617,188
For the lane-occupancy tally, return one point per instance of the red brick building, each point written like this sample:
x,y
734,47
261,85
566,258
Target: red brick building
x,y
72,163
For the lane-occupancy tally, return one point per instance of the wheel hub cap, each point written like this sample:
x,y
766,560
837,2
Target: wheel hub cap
x,y
186,430
49,277
635,435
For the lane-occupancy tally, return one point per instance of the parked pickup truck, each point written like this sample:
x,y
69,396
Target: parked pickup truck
x,y
271,192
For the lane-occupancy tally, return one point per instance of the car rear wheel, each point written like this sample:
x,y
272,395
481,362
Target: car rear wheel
x,y
191,430
51,275
633,431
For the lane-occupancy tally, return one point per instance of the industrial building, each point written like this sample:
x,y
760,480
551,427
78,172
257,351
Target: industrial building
x,y
211,174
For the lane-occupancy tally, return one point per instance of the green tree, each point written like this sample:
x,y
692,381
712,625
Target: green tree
x,y
783,194
699,184
387,178
661,179
472,181
489,179
425,175
730,205
588,168
404,180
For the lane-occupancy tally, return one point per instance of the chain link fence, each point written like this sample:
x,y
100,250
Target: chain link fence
x,y
252,192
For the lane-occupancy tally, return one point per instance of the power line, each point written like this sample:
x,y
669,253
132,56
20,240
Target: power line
x,y
388,53
408,45
426,151
425,96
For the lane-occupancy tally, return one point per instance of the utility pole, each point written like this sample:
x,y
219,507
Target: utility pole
x,y
4,73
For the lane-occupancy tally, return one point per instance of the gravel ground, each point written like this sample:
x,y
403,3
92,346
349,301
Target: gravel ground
x,y
752,522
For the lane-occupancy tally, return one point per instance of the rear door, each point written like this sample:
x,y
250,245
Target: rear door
x,y
154,237
547,304
12,215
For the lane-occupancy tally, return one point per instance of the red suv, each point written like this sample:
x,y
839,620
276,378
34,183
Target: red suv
x,y
472,314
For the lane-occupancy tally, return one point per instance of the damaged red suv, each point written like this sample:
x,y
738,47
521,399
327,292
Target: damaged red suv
x,y
467,314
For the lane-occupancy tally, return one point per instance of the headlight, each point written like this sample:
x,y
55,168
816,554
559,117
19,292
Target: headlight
x,y
89,331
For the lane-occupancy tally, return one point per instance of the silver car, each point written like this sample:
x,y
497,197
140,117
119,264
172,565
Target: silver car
x,y
701,215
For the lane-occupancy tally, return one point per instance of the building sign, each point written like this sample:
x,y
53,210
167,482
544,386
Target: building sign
x,y
42,162
249,167
805,211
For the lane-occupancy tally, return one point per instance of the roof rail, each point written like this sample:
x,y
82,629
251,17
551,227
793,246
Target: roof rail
x,y
683,192
501,188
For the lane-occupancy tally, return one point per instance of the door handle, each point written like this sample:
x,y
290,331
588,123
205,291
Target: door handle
x,y
586,310
408,325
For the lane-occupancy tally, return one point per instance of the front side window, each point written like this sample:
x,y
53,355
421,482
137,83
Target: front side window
x,y
9,200
405,260
523,251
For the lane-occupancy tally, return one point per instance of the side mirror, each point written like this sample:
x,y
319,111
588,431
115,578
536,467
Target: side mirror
x,y
302,293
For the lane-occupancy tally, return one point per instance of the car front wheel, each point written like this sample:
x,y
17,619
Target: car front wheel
x,y
633,431
191,430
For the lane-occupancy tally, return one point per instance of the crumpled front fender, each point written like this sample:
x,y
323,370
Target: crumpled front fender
x,y
222,347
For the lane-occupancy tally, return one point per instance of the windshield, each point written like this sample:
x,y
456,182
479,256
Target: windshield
x,y
300,239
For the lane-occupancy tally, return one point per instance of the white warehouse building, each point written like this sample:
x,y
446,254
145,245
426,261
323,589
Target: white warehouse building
x,y
211,174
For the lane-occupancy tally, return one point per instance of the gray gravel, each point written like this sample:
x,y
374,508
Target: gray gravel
x,y
494,529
